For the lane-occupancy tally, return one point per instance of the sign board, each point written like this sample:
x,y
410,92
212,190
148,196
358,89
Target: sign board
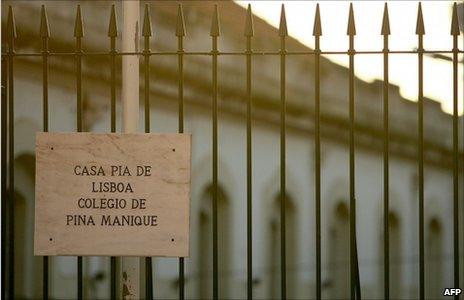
x,y
112,194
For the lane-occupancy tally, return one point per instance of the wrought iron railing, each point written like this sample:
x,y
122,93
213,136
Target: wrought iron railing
x,y
8,100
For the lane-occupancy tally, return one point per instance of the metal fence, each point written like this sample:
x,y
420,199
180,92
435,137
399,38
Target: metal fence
x,y
7,132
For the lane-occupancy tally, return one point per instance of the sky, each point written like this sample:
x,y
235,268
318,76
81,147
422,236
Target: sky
x,y
438,76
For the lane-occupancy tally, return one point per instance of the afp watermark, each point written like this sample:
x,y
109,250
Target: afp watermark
x,y
452,292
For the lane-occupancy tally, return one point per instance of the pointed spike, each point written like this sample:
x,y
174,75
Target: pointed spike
x,y
351,25
249,26
317,28
386,21
180,25
11,24
215,27
78,25
283,23
420,30
455,21
113,27
146,28
44,27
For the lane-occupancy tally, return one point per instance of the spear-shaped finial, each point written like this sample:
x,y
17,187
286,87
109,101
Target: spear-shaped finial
x,y
146,28
386,21
44,27
317,28
283,23
113,27
455,21
420,30
10,24
215,27
78,24
180,25
351,26
249,26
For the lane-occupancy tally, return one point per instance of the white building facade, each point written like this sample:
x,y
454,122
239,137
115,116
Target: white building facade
x,y
300,155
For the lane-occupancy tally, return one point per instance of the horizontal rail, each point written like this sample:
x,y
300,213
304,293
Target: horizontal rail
x,y
257,53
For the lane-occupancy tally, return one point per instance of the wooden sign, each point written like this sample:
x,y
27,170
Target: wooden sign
x,y
112,194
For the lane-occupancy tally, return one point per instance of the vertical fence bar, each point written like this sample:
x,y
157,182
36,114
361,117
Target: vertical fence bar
x,y
112,34
317,32
4,165
78,34
45,35
420,53
249,32
215,31
11,34
386,177
283,33
455,33
146,33
355,289
10,206
180,33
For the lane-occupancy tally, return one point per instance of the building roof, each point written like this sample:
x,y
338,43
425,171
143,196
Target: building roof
x,y
266,70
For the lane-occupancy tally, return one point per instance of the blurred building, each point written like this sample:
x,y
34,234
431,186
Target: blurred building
x,y
232,159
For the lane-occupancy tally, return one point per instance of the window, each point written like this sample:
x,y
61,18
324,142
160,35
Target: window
x,y
434,260
275,250
205,244
395,256
27,266
339,253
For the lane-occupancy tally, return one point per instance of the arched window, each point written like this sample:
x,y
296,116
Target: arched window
x,y
395,256
339,253
205,244
27,266
434,260
20,245
275,250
